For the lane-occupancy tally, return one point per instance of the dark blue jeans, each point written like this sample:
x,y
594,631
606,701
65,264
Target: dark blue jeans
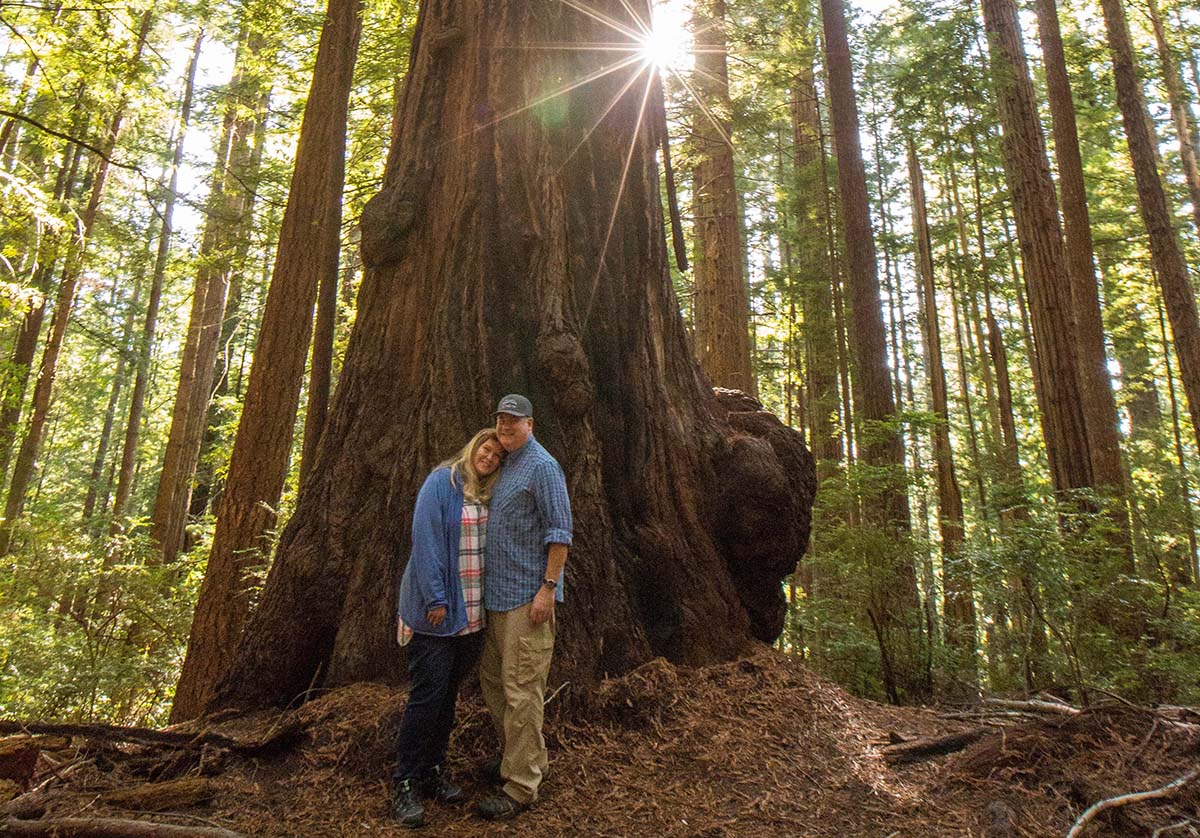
x,y
436,668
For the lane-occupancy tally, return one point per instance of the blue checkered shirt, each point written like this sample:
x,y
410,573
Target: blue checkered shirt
x,y
528,512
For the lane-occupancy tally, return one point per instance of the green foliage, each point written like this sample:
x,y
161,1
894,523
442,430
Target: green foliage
x,y
91,631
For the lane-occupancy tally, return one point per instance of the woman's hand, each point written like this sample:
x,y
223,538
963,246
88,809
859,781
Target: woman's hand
x,y
435,616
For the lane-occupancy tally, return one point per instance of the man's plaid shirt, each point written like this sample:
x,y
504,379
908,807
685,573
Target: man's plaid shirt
x,y
528,512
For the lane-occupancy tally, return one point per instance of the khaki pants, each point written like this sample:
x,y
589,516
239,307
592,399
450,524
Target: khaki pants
x,y
512,672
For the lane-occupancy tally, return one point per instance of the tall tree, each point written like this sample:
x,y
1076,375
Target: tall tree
x,y
1165,251
1095,382
307,256
144,351
230,206
24,345
820,338
1181,115
1056,378
65,302
895,606
722,300
956,570
486,273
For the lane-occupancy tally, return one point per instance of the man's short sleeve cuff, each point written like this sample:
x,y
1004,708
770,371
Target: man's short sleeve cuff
x,y
557,537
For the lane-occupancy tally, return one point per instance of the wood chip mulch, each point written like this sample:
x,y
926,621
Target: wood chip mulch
x,y
755,747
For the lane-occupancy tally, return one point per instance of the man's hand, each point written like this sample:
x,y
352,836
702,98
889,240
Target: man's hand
x,y
542,608
435,616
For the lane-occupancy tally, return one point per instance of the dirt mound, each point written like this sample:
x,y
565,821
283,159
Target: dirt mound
x,y
755,747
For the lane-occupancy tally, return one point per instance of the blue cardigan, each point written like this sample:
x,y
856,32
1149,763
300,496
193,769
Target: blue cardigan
x,y
431,578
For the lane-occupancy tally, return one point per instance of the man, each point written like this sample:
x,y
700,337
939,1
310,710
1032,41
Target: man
x,y
528,533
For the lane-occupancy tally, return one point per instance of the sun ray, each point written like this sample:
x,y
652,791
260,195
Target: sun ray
x,y
541,100
643,25
615,25
703,107
617,98
612,221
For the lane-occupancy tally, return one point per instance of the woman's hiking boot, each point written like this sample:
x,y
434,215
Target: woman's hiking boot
x,y
438,786
406,805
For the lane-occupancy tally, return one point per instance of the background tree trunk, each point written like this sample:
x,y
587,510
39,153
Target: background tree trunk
x,y
229,209
895,602
43,390
820,338
486,273
1177,292
956,573
307,255
1180,110
1039,234
1095,382
145,348
722,329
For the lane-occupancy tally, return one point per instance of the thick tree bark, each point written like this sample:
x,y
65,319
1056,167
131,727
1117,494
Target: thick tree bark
x,y
959,609
895,606
145,349
722,329
1095,382
1165,252
486,273
230,207
1039,234
48,369
307,255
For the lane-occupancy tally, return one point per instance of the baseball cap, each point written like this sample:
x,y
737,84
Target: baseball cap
x,y
515,404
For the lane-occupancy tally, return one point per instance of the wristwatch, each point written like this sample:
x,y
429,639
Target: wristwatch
x,y
550,583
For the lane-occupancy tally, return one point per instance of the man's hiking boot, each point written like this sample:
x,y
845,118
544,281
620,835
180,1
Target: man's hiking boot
x,y
406,805
438,786
501,807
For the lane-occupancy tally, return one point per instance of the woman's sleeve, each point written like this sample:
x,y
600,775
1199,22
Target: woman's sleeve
x,y
429,557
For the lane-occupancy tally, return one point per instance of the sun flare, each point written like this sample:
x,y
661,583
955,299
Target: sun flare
x,y
667,46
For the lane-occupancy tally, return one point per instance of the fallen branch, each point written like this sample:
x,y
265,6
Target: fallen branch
x,y
1035,706
919,750
276,738
111,828
1135,797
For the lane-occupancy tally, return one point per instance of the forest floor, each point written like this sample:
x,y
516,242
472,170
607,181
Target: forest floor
x,y
755,747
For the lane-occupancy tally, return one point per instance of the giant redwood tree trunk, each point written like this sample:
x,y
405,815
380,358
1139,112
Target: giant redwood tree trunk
x,y
487,271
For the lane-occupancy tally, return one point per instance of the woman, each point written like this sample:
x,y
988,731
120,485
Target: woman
x,y
441,614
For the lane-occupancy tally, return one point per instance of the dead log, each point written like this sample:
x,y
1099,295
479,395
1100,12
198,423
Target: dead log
x,y
1035,706
276,739
18,758
110,828
919,750
158,797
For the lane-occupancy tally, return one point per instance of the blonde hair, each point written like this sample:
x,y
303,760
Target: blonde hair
x,y
462,466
